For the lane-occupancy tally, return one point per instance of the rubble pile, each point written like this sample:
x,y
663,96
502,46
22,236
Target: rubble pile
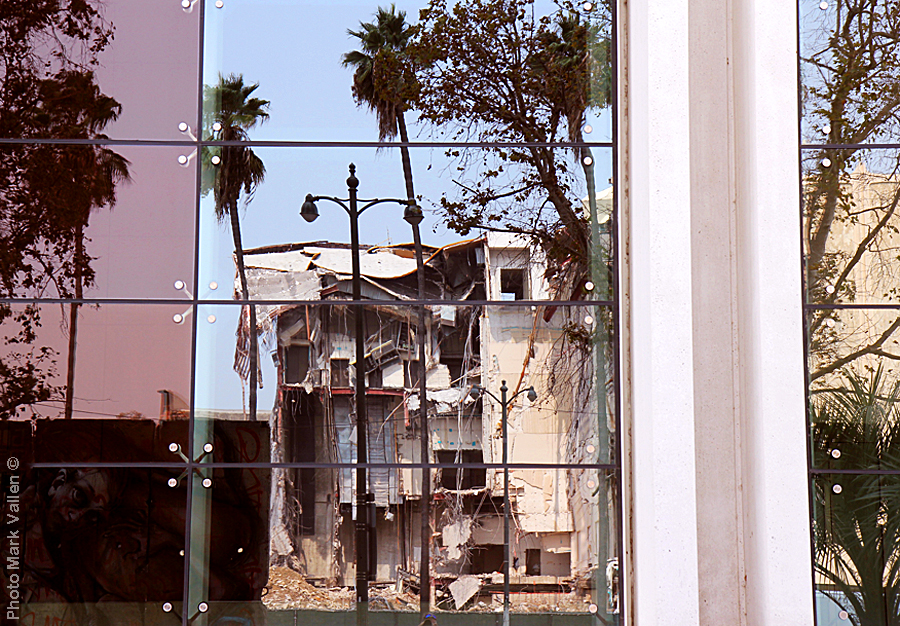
x,y
388,599
289,590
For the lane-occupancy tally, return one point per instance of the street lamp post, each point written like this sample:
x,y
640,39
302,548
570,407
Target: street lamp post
x,y
413,215
475,393
364,541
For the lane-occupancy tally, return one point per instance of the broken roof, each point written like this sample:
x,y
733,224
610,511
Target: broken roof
x,y
375,262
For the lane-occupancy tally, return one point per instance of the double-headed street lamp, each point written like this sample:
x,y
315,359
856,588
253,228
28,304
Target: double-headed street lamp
x,y
475,393
365,542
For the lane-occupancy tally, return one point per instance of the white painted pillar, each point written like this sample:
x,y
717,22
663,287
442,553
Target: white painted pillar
x,y
663,525
777,554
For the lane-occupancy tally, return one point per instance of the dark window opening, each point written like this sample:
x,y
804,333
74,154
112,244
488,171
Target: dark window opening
x,y
455,366
533,562
472,477
453,349
487,559
340,372
300,440
512,284
453,343
296,364
374,379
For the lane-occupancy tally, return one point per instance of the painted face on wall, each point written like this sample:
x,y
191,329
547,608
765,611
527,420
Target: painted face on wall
x,y
77,499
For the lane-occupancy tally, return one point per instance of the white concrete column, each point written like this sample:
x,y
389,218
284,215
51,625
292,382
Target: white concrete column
x,y
777,553
660,455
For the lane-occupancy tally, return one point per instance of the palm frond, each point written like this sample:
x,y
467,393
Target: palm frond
x,y
382,79
856,425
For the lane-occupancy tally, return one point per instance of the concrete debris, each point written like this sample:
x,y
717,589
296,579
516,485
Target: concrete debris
x,y
451,397
456,535
387,598
463,588
289,590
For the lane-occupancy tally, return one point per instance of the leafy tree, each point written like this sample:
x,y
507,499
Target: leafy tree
x,y
851,96
25,370
856,426
232,172
492,71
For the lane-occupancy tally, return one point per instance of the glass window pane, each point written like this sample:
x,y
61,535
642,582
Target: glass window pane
x,y
849,72
854,398
561,525
97,221
559,351
127,363
95,545
233,527
289,258
89,70
856,548
248,39
850,225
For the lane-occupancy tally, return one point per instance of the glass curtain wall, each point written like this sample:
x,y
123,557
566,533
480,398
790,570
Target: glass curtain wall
x,y
309,312
850,153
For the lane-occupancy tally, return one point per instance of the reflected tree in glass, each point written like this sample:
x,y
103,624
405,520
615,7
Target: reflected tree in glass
x,y
91,176
501,71
384,81
858,262
856,425
495,71
850,96
233,172
49,52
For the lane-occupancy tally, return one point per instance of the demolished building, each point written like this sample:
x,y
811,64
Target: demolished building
x,y
496,329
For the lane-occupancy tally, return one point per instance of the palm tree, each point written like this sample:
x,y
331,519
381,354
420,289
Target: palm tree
x,y
384,81
857,516
382,78
232,171
85,177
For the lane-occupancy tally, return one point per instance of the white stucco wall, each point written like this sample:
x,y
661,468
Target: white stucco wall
x,y
716,500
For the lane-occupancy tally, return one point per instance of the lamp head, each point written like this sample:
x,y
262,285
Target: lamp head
x,y
308,211
532,394
413,213
475,392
